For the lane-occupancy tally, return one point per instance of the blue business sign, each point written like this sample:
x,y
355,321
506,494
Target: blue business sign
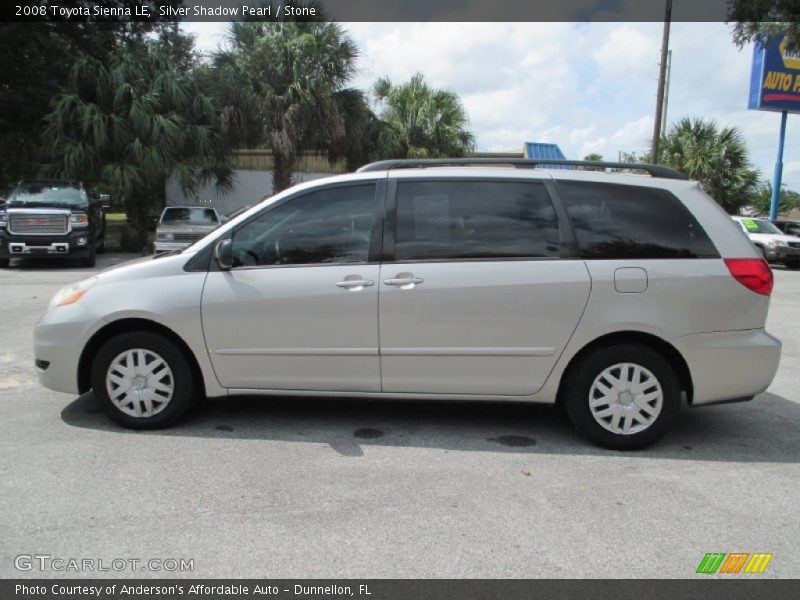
x,y
775,78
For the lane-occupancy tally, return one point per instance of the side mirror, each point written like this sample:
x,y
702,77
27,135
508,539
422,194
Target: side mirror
x,y
105,201
223,254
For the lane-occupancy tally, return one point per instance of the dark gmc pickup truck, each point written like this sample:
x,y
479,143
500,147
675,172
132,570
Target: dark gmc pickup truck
x,y
52,218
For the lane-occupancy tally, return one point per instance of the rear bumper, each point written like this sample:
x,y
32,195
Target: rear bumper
x,y
731,365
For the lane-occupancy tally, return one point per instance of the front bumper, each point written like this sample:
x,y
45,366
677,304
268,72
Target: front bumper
x,y
730,365
21,246
58,340
170,246
782,253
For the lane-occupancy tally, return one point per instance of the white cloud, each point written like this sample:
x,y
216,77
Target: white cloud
x,y
627,53
589,87
636,134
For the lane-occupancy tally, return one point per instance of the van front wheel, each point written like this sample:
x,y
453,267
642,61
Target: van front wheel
x,y
623,397
142,380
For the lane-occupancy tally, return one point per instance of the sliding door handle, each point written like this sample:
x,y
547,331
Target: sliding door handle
x,y
404,281
354,285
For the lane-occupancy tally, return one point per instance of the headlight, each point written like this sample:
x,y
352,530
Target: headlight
x,y
776,243
165,237
79,220
72,293
3,219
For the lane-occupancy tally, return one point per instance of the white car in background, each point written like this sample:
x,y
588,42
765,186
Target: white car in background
x,y
776,246
181,226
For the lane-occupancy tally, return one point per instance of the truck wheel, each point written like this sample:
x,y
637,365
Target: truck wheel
x,y
4,263
101,249
793,263
142,380
89,261
623,397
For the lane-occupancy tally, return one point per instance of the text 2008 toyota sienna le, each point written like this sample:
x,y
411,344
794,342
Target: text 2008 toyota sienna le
x,y
612,294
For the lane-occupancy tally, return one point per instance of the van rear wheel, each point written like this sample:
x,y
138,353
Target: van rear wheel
x,y
142,380
623,397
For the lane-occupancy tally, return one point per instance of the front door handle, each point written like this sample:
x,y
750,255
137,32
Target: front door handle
x,y
404,281
354,283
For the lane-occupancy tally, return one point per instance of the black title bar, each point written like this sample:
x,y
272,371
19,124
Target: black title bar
x,y
733,588
364,10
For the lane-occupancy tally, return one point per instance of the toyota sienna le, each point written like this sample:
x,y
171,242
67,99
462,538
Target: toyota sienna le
x,y
615,295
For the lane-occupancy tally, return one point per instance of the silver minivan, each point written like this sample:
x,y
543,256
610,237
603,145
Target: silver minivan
x,y
619,296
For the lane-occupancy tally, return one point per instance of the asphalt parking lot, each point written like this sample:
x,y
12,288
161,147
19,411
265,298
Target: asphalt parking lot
x,y
253,487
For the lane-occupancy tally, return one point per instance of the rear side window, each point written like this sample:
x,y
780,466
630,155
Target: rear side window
x,y
625,221
474,219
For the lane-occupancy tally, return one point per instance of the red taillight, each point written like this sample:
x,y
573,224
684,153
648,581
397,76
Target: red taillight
x,y
752,273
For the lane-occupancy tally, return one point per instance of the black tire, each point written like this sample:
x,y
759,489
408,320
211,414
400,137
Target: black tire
x,y
101,249
578,386
793,264
184,388
5,263
90,261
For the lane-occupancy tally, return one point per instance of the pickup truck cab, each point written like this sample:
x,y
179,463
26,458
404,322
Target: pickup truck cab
x,y
52,219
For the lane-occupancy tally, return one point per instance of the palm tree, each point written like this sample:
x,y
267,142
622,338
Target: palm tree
x,y
420,122
127,124
716,157
284,84
788,200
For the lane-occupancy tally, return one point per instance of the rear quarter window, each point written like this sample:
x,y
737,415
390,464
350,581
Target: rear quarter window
x,y
613,221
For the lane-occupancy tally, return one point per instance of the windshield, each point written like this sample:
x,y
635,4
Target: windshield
x,y
27,194
190,216
760,226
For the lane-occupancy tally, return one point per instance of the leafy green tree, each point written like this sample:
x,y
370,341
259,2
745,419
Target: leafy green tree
x,y
128,123
788,200
716,157
35,62
755,19
593,156
420,121
283,84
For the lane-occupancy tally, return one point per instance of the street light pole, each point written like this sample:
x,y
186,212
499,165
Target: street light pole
x,y
662,76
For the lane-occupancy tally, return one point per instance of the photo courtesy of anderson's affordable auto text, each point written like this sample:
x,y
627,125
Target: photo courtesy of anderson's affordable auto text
x,y
363,299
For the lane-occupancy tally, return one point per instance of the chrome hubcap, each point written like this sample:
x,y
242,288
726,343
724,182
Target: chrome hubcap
x,y
140,383
626,398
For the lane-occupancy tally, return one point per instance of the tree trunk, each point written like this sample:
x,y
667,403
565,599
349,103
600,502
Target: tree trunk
x,y
138,216
281,172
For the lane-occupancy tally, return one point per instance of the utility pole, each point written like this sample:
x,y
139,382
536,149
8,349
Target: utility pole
x,y
662,76
666,95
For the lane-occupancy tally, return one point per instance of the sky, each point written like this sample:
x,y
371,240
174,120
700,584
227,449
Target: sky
x,y
588,87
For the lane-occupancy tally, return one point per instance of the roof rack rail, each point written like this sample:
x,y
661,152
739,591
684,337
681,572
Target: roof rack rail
x,y
520,163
